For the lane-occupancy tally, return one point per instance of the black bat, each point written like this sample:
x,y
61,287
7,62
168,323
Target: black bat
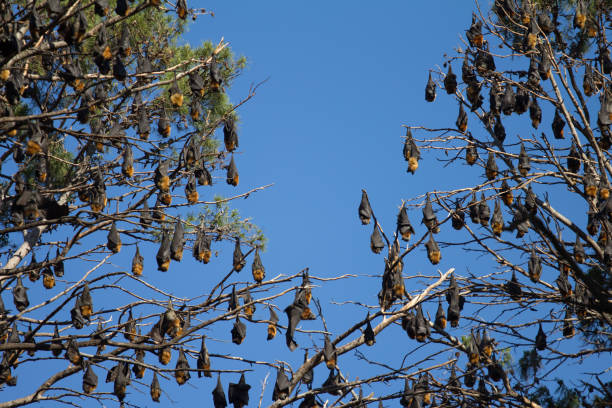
x,y
238,394
365,211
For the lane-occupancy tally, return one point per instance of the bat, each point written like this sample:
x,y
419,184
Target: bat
x,y
474,33
484,61
203,362
294,315
305,287
85,303
471,154
233,300
230,134
557,125
203,176
155,389
178,241
56,350
127,168
201,247
163,254
119,71
497,222
145,214
458,217
473,349
163,124
218,394
523,162
506,193
422,388
486,344
249,309
310,401
257,268
182,369
195,110
48,278
462,119
165,355
455,302
161,178
604,190
90,380
499,130
238,331
238,257
484,212
333,384
176,96
191,153
196,83
429,217
523,101
422,325
101,7
411,152
440,321
137,263
273,320
540,340
130,328
433,250
72,352
450,81
544,66
473,94
232,173
238,394
563,283
508,102
368,334
407,398
491,168
143,127
403,224
365,211
20,296
430,90
534,266
281,385
495,370
376,242
181,9
139,369
124,41
122,9
329,353
469,377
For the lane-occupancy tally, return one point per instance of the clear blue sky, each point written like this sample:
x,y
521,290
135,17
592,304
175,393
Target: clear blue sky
x,y
342,78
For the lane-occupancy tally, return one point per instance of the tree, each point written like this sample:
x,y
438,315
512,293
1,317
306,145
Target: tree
x,y
81,95
106,136
538,199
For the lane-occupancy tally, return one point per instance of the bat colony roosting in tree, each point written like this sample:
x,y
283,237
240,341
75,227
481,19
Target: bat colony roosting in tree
x,y
103,130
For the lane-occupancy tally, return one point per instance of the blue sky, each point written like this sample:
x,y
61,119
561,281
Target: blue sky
x,y
342,79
